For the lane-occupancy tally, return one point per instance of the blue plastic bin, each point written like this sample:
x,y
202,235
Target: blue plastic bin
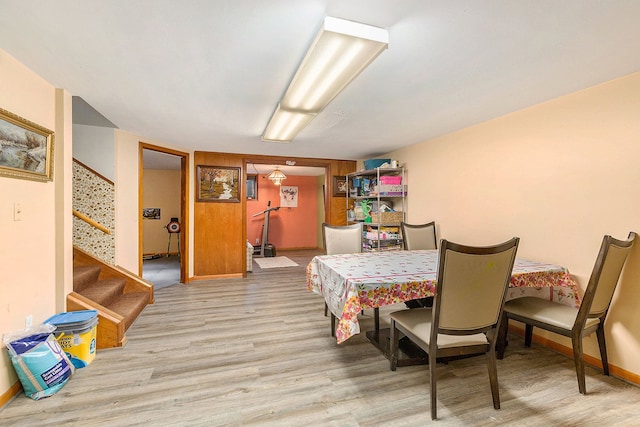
x,y
375,163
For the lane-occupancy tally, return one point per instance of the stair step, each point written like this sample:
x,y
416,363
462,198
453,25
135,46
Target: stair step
x,y
84,276
94,291
130,306
104,292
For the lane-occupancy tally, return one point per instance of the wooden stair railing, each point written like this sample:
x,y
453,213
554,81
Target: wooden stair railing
x,y
118,295
91,222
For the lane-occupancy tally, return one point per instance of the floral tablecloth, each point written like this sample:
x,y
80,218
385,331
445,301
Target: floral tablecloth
x,y
352,282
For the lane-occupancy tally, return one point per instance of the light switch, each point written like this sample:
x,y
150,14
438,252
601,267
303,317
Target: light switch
x,y
17,212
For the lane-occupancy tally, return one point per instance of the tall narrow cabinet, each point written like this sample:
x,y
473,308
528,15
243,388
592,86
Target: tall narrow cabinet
x,y
380,187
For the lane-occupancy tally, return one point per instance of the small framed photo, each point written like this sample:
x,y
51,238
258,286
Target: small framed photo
x,y
150,213
26,149
217,184
339,185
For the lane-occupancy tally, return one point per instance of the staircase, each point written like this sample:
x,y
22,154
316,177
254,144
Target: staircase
x,y
117,294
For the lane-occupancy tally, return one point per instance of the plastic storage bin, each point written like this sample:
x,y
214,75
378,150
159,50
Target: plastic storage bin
x,y
76,334
375,163
391,180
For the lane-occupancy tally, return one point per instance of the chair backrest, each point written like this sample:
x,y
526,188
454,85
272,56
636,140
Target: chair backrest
x,y
604,278
419,236
342,239
471,287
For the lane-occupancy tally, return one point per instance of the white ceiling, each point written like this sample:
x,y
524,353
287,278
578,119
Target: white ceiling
x,y
207,75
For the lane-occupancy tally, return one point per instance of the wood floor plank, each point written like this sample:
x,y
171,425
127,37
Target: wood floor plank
x,y
258,352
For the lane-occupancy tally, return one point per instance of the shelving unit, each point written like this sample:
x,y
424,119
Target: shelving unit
x,y
380,186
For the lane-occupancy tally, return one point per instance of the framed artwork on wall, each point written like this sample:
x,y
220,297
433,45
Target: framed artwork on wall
x,y
26,148
288,196
339,185
217,184
150,213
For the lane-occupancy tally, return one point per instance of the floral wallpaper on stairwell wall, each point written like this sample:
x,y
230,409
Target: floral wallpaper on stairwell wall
x,y
94,197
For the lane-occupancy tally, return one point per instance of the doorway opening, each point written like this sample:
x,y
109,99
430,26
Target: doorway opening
x,y
163,225
296,204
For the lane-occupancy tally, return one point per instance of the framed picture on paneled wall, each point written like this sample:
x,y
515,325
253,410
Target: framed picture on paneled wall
x,y
217,184
339,186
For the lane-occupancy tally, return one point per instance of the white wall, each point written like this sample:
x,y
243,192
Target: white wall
x,y
29,248
94,146
559,175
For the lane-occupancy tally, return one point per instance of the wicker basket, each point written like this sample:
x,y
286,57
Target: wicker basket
x,y
386,217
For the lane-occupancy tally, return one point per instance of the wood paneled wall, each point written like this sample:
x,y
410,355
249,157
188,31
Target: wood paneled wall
x,y
337,214
219,228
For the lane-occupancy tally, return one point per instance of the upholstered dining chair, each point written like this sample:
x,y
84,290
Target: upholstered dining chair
x,y
340,239
419,236
471,287
414,237
572,322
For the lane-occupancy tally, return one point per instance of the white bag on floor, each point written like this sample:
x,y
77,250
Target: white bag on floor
x,y
42,366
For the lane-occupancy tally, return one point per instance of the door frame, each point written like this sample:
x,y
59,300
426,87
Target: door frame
x,y
282,160
184,206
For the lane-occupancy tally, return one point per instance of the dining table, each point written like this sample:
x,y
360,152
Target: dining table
x,y
350,283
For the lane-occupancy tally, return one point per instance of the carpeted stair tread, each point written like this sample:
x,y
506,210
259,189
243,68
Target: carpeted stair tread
x,y
84,276
104,292
130,306
118,296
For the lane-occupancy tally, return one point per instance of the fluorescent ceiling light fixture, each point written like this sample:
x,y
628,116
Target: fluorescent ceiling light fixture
x,y
285,125
340,51
277,176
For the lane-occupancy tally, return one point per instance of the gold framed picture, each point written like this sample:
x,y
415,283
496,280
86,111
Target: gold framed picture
x,y
217,184
26,149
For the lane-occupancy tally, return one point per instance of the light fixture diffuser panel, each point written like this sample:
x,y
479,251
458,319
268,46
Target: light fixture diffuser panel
x,y
340,52
356,29
285,125
335,63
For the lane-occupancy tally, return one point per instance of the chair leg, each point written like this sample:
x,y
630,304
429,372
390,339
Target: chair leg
x,y
432,381
376,318
528,335
333,325
326,309
603,348
493,377
578,360
501,341
394,342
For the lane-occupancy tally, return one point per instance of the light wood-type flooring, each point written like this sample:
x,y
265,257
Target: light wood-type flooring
x,y
258,352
